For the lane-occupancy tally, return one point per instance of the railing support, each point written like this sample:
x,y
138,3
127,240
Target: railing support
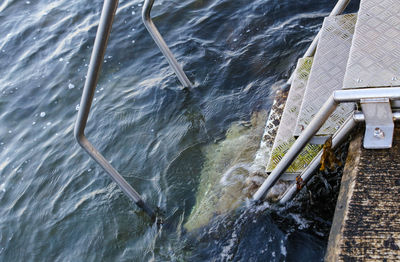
x,y
100,45
341,134
306,174
339,96
155,34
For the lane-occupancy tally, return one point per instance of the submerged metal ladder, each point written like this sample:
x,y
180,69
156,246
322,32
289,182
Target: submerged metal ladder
x,y
96,60
374,95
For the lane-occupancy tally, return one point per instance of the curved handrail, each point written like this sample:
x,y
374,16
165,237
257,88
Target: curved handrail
x,y
96,60
155,34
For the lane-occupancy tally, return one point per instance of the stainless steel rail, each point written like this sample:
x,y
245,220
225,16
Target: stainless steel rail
x,y
307,173
155,34
337,10
336,140
96,60
339,96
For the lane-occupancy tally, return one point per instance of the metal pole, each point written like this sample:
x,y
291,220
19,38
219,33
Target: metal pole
x,y
100,45
359,117
324,113
306,174
337,10
155,34
339,96
355,95
336,140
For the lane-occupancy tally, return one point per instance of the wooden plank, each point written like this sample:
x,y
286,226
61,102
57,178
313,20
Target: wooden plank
x,y
366,225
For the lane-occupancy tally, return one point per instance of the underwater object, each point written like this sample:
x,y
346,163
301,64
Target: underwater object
x,y
229,175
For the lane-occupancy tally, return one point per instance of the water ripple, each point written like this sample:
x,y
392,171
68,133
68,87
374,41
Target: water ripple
x,y
57,204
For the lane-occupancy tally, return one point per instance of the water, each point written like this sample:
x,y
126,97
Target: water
x,y
58,205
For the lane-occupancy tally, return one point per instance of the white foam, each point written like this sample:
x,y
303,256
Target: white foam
x,y
303,223
226,177
283,248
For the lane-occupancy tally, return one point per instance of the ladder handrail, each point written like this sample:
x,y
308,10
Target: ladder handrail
x,y
155,34
339,96
96,60
349,124
337,138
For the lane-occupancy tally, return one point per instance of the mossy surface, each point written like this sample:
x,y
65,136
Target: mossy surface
x,y
302,160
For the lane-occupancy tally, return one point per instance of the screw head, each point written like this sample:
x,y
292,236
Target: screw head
x,y
378,133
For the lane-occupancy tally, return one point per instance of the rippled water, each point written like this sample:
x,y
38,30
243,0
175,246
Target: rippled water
x,y
56,204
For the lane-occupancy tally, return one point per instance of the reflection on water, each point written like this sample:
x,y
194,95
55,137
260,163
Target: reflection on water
x,y
56,204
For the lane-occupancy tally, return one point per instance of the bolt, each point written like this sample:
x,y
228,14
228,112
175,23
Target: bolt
x,y
378,133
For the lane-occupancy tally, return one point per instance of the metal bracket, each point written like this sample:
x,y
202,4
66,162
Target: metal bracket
x,y
379,126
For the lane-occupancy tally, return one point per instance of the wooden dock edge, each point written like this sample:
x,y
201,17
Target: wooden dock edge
x,y
366,224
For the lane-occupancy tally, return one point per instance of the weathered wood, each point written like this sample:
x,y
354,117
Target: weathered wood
x,y
366,225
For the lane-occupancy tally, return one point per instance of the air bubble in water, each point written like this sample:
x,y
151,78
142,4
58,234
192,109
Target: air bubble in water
x,y
71,86
42,114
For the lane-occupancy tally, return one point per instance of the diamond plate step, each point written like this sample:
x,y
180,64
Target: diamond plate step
x,y
327,74
271,129
284,138
375,54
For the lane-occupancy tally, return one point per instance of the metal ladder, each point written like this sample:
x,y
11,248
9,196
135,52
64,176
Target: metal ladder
x,y
96,60
374,93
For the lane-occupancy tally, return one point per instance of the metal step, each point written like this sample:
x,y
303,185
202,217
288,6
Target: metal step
x,y
284,137
271,129
327,74
375,54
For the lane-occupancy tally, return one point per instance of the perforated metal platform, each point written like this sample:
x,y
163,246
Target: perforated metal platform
x,y
327,73
284,137
375,55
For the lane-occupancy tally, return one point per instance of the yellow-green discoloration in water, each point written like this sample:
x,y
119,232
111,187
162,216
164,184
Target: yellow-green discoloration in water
x,y
223,187
302,160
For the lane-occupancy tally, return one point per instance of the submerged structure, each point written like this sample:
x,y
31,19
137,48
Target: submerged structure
x,y
349,74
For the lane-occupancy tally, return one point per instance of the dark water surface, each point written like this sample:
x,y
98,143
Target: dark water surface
x,y
56,204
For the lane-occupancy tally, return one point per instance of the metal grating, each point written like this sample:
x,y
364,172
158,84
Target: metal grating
x,y
271,128
284,137
327,73
375,55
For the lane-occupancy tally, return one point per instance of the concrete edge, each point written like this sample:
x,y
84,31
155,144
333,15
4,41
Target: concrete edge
x,y
342,204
